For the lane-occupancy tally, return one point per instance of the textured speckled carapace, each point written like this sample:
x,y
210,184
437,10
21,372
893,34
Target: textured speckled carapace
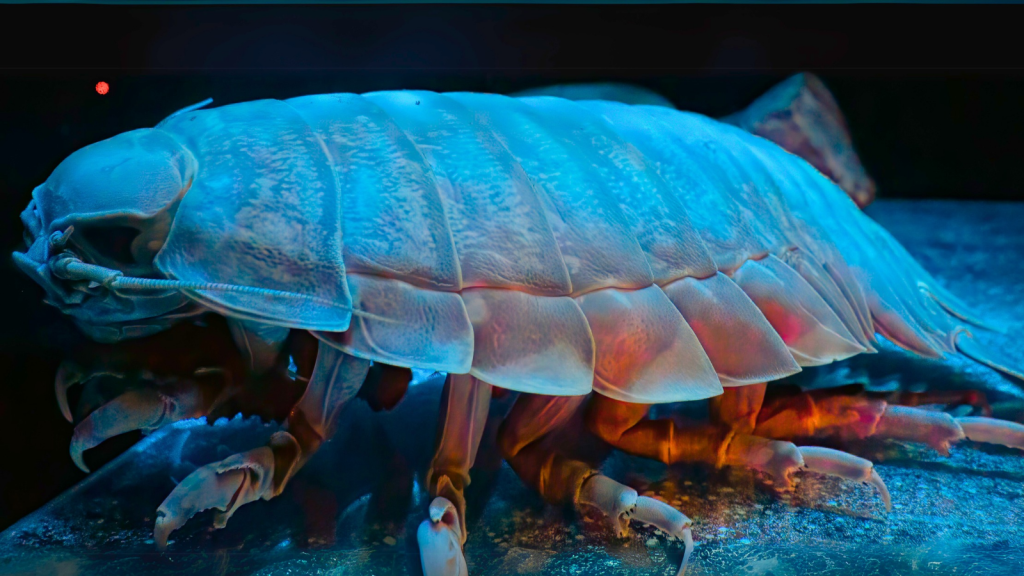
x,y
542,245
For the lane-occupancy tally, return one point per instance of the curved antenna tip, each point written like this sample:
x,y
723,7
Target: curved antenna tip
x,y
187,109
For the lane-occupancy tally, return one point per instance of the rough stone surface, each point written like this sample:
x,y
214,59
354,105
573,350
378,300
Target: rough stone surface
x,y
802,116
355,509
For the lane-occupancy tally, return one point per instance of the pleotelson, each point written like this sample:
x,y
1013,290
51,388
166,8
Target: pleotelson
x,y
540,244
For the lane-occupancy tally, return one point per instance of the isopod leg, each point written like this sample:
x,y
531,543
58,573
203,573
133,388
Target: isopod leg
x,y
625,426
820,414
528,439
849,417
622,504
730,440
464,405
262,473
740,409
976,399
146,408
993,431
522,439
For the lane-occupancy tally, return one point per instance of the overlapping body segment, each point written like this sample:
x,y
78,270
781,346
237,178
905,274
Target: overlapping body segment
x,y
264,211
391,205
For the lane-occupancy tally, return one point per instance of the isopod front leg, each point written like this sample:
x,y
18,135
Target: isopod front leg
x,y
228,484
262,473
465,402
138,386
145,406
529,439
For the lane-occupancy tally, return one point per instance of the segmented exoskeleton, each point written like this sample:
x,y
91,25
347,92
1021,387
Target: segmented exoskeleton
x,y
549,247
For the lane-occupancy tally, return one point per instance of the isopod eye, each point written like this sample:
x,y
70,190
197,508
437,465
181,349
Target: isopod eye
x,y
113,243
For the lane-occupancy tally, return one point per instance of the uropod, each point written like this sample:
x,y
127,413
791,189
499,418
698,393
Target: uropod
x,y
592,256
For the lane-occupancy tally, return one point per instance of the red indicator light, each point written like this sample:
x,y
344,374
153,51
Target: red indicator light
x,y
102,88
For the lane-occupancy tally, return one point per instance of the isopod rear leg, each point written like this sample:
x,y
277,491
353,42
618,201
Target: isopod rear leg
x,y
529,438
730,440
739,408
464,406
975,399
856,417
262,473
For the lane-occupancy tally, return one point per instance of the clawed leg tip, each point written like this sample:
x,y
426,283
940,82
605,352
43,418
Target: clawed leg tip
x,y
687,551
441,510
670,521
77,458
161,534
144,410
843,465
68,374
80,442
163,527
440,551
615,500
883,491
220,520
622,528
224,486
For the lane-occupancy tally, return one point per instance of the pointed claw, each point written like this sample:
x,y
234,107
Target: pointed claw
x,y
224,485
78,447
133,410
441,509
992,431
144,409
688,549
68,374
668,520
439,541
883,491
622,504
660,515
837,463
613,499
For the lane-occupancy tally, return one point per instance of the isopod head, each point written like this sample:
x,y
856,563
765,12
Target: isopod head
x,y
109,205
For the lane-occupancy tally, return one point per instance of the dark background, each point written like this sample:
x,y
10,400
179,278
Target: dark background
x,y
934,96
